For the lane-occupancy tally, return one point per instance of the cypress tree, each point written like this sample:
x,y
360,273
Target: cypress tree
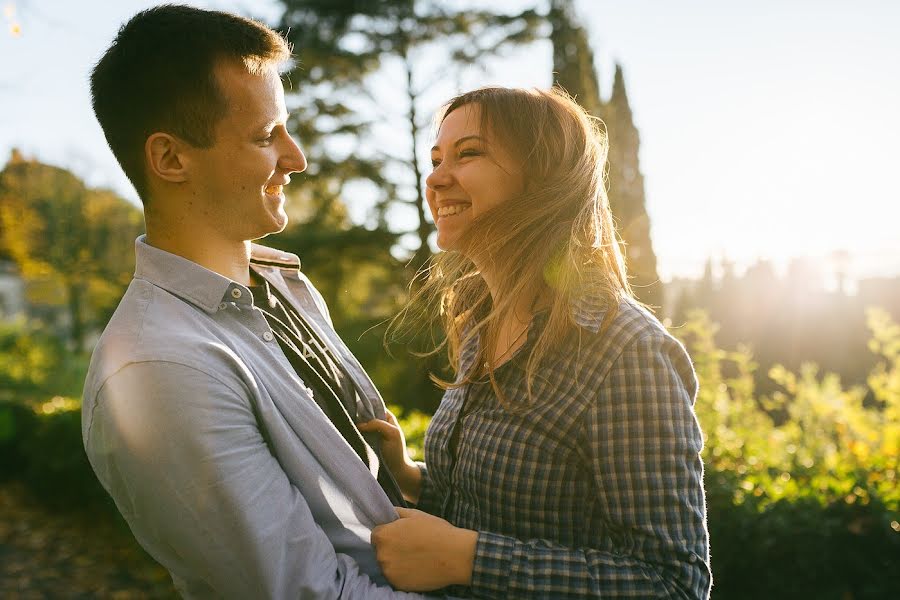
x,y
626,194
575,71
573,59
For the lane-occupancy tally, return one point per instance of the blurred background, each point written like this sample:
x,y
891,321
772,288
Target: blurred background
x,y
753,176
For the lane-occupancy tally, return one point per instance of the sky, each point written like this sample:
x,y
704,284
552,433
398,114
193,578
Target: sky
x,y
769,129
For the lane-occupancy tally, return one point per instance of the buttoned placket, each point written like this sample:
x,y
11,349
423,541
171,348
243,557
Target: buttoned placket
x,y
453,442
237,294
268,334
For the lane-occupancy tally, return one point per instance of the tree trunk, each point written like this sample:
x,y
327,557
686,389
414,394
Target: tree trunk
x,y
423,253
76,319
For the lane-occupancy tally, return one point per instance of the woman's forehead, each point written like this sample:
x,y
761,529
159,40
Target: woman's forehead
x,y
467,116
462,122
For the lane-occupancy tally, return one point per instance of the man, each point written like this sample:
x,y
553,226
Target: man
x,y
220,405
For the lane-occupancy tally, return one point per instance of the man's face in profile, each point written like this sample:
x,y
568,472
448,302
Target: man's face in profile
x,y
238,182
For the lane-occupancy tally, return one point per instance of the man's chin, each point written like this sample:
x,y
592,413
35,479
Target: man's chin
x,y
277,225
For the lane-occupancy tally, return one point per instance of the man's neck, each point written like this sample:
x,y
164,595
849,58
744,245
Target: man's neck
x,y
227,258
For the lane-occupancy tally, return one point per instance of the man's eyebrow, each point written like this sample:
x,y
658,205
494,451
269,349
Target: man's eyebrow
x,y
271,122
461,140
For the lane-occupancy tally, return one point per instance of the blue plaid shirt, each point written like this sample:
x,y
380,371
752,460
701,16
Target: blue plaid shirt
x,y
594,492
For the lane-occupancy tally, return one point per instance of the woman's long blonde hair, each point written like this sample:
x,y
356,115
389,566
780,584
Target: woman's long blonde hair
x,y
554,245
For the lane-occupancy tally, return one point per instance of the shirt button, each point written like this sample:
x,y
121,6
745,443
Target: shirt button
x,y
223,306
236,293
268,336
692,558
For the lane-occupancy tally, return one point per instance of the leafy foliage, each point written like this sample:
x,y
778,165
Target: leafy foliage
x,y
35,363
801,484
811,439
67,240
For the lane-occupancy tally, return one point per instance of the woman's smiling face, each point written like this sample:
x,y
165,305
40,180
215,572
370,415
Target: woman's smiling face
x,y
471,175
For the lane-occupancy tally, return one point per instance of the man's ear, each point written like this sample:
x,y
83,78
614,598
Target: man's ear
x,y
166,158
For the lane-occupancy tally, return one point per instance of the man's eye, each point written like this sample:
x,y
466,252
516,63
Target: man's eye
x,y
267,139
435,163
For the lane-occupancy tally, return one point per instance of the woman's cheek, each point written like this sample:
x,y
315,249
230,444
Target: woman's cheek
x,y
429,200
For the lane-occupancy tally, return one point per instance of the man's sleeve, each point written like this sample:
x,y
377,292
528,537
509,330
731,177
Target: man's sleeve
x,y
644,446
184,459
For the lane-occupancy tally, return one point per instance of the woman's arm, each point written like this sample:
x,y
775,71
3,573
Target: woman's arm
x,y
396,458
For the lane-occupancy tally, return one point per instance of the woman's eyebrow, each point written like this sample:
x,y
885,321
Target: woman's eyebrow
x,y
461,140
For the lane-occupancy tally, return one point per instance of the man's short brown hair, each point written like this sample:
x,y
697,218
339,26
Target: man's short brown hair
x,y
158,76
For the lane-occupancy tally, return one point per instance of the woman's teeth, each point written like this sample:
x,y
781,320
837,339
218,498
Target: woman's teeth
x,y
273,190
455,209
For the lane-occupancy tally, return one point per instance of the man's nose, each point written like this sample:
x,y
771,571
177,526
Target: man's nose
x,y
293,160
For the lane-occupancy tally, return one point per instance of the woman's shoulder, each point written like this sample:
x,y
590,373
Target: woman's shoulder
x,y
633,333
634,340
634,346
631,322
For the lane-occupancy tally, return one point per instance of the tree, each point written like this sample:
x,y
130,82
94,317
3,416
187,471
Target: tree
x,y
574,70
573,59
626,193
67,240
342,43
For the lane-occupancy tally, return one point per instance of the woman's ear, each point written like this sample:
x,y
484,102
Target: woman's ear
x,y
166,158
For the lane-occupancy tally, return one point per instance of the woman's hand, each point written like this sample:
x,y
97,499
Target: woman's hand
x,y
420,552
396,458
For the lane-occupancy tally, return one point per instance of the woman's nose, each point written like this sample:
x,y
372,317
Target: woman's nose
x,y
438,178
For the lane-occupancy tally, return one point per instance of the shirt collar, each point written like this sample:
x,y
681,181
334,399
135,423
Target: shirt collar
x,y
588,311
186,279
262,290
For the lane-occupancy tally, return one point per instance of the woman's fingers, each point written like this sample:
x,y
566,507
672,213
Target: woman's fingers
x,y
383,427
391,418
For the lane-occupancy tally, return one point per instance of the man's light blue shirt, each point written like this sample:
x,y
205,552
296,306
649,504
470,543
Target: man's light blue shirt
x,y
227,471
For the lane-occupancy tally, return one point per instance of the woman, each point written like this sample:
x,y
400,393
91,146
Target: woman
x,y
563,461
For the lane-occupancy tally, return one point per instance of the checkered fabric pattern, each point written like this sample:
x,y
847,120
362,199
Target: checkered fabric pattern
x,y
594,492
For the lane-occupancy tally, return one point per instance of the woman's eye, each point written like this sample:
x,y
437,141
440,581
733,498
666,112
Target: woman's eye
x,y
469,152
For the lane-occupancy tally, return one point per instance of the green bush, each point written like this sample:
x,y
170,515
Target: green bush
x,y
43,449
40,417
802,549
56,468
812,437
35,364
17,424
801,485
